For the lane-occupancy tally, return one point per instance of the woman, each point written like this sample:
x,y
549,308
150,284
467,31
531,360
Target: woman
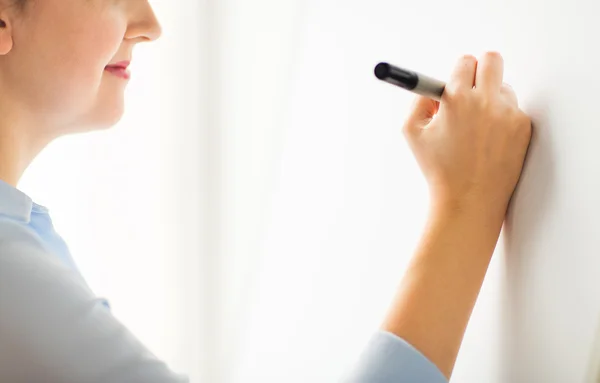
x,y
62,70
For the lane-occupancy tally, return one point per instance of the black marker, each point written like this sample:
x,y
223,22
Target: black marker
x,y
410,80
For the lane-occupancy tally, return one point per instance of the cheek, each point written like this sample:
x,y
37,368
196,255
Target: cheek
x,y
77,77
64,90
83,67
59,58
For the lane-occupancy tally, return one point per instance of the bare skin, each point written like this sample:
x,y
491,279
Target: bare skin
x,y
471,148
53,55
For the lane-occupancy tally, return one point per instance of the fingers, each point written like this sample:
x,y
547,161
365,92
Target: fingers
x,y
490,71
463,76
485,75
421,112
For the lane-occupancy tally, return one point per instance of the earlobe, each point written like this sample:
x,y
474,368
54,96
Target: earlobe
x,y
6,40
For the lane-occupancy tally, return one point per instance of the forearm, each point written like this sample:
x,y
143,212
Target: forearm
x,y
440,287
470,147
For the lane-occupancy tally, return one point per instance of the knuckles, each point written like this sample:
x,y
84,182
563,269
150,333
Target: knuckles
x,y
457,96
492,110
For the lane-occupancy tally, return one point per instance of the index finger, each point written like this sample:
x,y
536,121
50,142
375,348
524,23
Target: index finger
x,y
463,75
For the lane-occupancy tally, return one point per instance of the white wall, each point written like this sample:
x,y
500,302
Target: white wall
x,y
350,201
255,50
551,289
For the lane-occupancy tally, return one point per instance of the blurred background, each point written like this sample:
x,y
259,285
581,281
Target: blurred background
x,y
251,215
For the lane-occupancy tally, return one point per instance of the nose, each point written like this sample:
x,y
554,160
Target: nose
x,y
143,24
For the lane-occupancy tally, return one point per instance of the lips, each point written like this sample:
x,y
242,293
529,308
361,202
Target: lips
x,y
119,69
120,64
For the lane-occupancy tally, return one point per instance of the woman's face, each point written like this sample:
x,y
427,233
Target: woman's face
x,y
53,55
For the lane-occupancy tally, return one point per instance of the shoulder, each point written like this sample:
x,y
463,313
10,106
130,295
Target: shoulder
x,y
58,329
30,272
21,247
14,234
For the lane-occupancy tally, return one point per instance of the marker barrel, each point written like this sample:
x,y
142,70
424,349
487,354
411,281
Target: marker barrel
x,y
410,80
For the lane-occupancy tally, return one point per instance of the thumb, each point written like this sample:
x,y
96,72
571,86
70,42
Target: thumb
x,y
421,112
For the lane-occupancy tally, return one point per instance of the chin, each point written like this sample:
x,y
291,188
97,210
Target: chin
x,y
102,119
111,121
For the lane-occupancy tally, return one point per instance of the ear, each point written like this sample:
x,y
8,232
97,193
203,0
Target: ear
x,y
6,30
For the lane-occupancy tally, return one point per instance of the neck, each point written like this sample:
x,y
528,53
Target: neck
x,y
18,148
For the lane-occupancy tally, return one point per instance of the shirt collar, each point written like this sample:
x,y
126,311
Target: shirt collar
x,y
16,204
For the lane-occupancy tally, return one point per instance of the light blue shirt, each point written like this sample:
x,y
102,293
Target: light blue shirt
x,y
54,329
390,359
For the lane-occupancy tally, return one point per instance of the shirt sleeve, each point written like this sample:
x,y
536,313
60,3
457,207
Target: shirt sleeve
x,y
54,329
390,359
